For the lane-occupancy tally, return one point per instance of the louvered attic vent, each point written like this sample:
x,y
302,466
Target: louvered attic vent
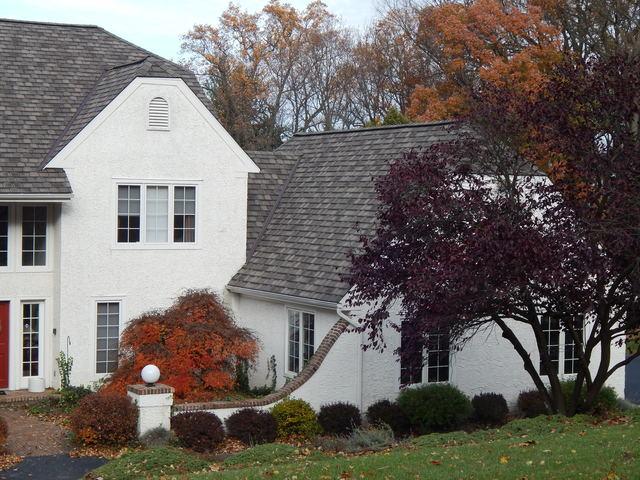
x,y
158,114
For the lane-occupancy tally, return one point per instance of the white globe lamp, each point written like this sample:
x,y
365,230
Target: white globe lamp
x,y
150,375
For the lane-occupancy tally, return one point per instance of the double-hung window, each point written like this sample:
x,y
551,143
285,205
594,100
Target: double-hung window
x,y
107,336
150,214
432,355
561,347
34,236
300,339
4,235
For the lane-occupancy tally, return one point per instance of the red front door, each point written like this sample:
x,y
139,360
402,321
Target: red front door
x,y
4,345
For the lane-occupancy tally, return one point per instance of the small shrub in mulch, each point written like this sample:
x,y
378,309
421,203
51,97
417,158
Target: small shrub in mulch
x,y
102,419
252,426
295,418
199,431
490,408
385,412
435,407
339,418
531,404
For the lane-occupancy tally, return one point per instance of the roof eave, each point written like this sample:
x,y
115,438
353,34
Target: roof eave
x,y
35,197
280,297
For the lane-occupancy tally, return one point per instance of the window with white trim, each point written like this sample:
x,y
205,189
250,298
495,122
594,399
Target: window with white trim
x,y
4,235
432,356
107,336
156,214
561,347
31,319
34,236
301,341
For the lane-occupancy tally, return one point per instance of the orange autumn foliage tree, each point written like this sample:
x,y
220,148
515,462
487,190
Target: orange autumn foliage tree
x,y
195,343
509,44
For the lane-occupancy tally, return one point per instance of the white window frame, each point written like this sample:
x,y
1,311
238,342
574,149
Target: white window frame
x,y
120,299
425,367
18,245
10,241
41,336
563,336
143,244
288,373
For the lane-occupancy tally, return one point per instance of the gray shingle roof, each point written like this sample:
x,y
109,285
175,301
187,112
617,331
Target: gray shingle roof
x,y
55,79
328,202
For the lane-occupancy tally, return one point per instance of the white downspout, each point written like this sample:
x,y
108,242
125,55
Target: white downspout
x,y
344,313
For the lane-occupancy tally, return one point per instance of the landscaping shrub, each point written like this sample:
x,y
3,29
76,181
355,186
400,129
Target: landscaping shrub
x,y
436,407
389,413
157,437
531,404
252,426
199,431
295,417
490,408
606,401
359,440
101,419
4,431
70,396
195,343
339,418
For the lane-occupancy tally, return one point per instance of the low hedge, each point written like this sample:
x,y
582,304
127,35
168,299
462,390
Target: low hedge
x,y
104,419
435,408
295,418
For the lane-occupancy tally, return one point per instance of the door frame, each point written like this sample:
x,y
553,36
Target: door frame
x,y
9,344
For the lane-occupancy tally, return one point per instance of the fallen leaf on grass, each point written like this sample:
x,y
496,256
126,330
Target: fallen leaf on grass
x,y
504,459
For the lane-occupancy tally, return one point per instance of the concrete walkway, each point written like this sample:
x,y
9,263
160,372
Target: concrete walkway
x,y
52,467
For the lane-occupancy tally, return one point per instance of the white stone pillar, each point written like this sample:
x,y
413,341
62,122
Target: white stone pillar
x,y
154,405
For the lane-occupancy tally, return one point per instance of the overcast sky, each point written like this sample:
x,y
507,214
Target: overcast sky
x,y
158,24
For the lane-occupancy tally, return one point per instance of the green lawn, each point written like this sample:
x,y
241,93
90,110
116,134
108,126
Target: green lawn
x,y
542,448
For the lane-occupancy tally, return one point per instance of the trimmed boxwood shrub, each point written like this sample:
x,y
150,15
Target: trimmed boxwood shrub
x,y
385,412
531,404
490,408
606,401
199,431
295,417
252,426
102,419
435,408
339,418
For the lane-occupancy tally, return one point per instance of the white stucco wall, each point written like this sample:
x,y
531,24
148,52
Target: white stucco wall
x,y
487,363
120,148
337,379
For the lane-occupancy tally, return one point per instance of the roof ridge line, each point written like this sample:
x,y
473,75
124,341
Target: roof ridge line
x,y
46,159
57,24
382,127
267,221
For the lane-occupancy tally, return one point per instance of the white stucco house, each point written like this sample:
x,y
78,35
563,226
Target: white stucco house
x,y
119,189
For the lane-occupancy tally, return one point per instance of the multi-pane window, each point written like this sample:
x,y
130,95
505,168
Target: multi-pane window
x,y
108,334
30,339
149,213
438,346
4,236
560,347
436,351
300,339
157,215
184,215
411,359
34,236
128,213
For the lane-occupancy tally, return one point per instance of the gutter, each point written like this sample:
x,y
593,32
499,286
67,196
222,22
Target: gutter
x,y
311,302
36,197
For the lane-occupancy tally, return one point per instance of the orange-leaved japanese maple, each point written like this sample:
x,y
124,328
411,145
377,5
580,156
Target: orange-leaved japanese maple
x,y
195,343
